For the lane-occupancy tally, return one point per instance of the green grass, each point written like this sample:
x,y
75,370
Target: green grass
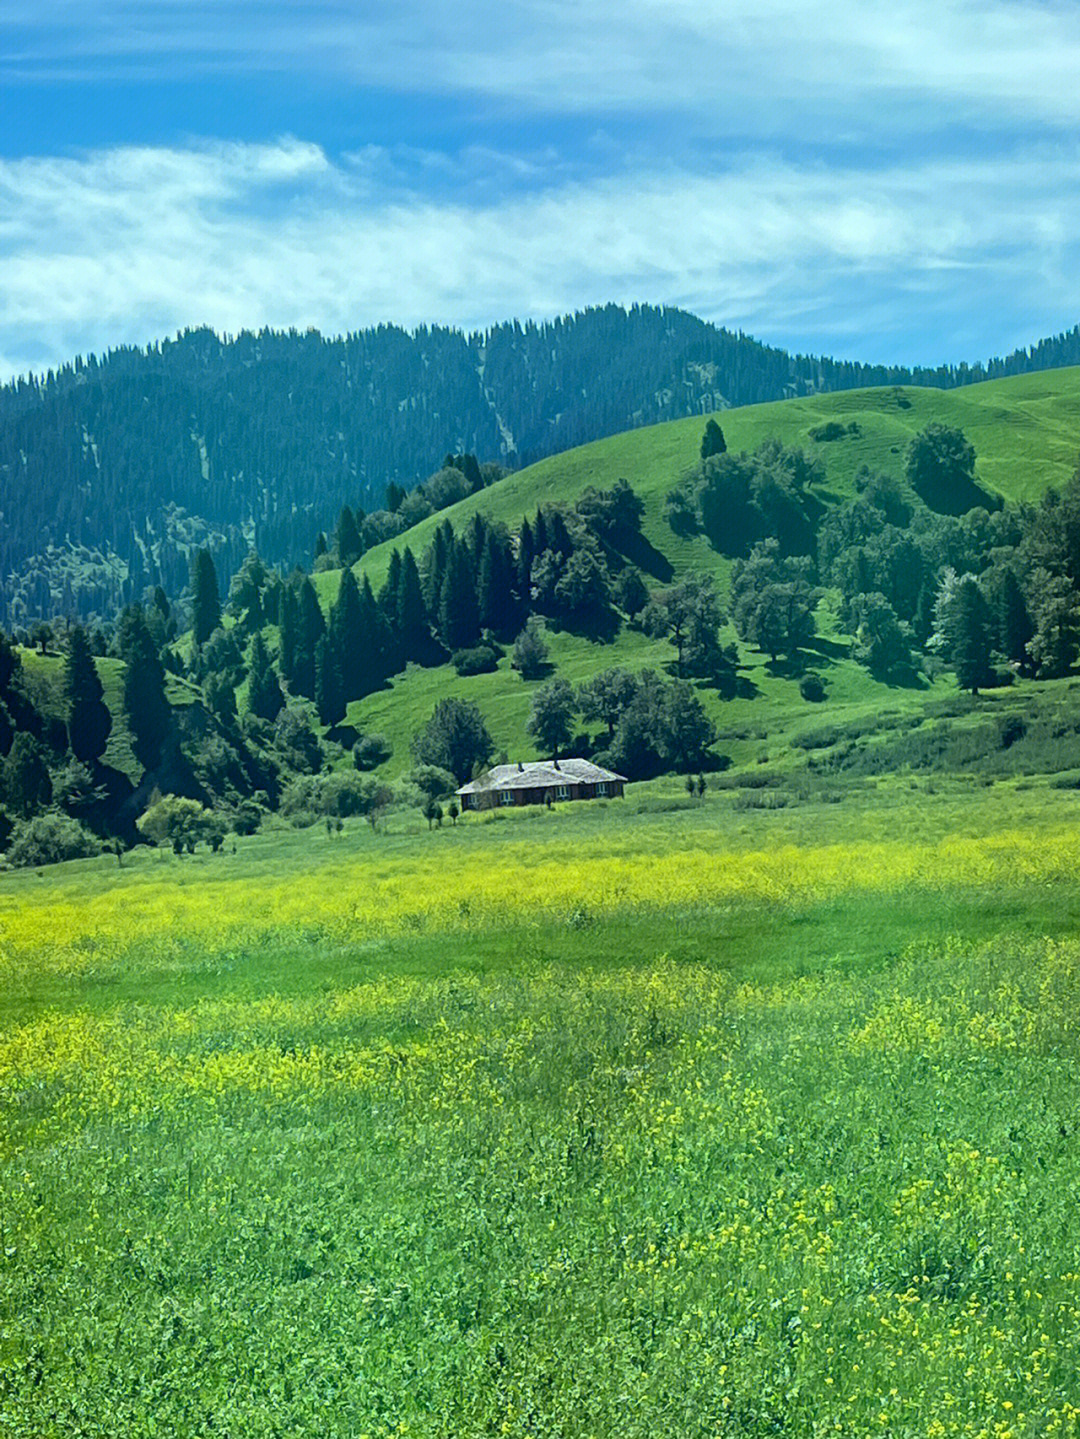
x,y
1025,430
795,1166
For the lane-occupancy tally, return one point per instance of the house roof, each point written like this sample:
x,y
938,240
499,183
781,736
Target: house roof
x,y
540,774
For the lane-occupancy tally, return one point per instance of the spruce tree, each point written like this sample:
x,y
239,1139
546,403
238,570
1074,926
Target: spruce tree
x,y
712,441
205,599
1014,622
388,606
89,720
329,692
459,619
971,635
347,540
147,710
435,559
310,630
375,639
25,782
414,632
347,637
265,699
495,586
289,631
526,553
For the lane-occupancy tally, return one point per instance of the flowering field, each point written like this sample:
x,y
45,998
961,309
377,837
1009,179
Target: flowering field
x,y
496,1137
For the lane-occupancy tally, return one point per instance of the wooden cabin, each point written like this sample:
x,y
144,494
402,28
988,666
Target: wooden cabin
x,y
551,781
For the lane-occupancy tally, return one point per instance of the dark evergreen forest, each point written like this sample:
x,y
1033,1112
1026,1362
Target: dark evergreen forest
x,y
115,470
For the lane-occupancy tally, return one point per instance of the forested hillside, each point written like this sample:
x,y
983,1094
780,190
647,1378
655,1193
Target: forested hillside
x,y
113,471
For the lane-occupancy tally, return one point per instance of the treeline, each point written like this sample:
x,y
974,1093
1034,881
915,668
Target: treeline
x,y
115,470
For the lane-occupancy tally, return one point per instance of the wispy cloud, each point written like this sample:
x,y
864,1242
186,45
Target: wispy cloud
x,y
917,261
747,64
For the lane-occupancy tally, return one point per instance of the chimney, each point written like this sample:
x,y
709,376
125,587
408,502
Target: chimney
x,y
556,763
521,768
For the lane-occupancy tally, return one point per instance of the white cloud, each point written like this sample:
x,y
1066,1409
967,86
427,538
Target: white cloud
x,y
739,66
130,245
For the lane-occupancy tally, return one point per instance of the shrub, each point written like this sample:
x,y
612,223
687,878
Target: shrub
x,y
248,817
433,781
371,750
812,688
49,839
480,660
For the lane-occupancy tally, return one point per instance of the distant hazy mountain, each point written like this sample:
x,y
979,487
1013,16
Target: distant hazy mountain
x,y
113,469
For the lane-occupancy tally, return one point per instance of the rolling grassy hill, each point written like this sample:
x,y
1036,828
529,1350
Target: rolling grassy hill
x,y
1026,433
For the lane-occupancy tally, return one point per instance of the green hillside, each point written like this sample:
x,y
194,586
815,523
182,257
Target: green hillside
x,y
1026,433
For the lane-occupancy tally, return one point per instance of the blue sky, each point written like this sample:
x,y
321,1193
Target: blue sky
x,y
892,182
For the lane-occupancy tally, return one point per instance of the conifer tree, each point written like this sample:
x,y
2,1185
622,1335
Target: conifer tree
x,y
265,699
414,631
375,639
289,630
525,556
347,540
147,710
347,637
712,441
495,586
89,720
1014,622
459,619
388,607
435,560
329,691
25,783
310,631
205,599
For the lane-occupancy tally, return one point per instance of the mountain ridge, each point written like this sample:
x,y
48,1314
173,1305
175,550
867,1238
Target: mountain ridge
x,y
113,470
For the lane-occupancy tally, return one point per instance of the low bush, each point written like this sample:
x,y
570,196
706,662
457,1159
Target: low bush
x,y
480,660
49,839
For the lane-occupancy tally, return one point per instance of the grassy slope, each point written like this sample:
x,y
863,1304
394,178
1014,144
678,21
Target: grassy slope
x,y
1026,432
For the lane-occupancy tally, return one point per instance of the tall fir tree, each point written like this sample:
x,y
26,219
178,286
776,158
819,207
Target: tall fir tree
x,y
205,597
971,625
89,720
347,540
414,631
149,715
310,631
436,558
1015,625
329,690
265,699
388,605
495,586
375,638
459,618
289,632
526,553
346,636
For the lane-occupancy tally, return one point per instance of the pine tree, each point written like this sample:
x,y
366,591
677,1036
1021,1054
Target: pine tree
x,y
526,553
347,637
147,710
347,540
205,598
329,691
712,441
495,586
89,720
1014,622
375,639
459,619
310,631
289,632
25,782
265,699
414,631
388,606
435,561
971,635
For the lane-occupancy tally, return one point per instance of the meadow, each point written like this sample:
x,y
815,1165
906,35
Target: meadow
x,y
660,1116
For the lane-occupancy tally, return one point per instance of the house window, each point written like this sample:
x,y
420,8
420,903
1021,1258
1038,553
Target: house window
x,y
601,788
563,792
506,796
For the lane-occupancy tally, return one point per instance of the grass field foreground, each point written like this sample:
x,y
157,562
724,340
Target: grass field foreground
x,y
552,1125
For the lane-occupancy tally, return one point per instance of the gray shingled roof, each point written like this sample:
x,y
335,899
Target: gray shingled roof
x,y
540,774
